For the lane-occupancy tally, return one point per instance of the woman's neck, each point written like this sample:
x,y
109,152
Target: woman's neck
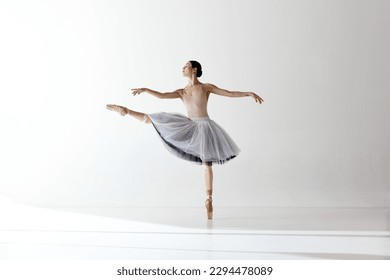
x,y
193,81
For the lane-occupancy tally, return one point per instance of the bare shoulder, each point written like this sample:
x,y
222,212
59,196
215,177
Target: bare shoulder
x,y
212,88
208,87
180,92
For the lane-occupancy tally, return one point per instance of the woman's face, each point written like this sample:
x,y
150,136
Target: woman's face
x,y
187,69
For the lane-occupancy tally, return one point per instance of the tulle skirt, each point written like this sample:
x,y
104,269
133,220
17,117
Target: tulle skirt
x,y
199,140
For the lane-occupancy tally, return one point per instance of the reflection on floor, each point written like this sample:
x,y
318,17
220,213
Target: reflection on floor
x,y
28,232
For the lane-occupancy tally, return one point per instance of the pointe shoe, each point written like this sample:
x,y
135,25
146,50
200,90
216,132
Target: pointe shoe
x,y
209,207
120,109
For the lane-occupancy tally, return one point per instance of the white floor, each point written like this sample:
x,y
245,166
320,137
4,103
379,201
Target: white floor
x,y
28,232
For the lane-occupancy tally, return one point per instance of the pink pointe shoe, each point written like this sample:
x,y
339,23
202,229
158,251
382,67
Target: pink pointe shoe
x,y
120,109
209,208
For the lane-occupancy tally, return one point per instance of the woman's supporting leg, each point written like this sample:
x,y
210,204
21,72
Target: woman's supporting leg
x,y
208,176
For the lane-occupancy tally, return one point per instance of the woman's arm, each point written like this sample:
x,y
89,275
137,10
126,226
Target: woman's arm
x,y
150,91
174,94
214,89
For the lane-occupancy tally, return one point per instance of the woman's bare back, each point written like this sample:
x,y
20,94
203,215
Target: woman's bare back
x,y
195,99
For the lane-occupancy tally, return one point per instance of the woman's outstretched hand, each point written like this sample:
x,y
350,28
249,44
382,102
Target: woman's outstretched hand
x,y
138,90
257,98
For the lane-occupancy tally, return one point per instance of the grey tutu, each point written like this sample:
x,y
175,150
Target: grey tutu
x,y
199,140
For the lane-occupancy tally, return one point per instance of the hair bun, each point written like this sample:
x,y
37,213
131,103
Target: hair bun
x,y
196,64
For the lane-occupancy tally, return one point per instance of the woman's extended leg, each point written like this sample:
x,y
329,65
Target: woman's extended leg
x,y
143,117
208,175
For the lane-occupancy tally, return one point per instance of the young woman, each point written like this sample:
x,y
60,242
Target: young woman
x,y
196,138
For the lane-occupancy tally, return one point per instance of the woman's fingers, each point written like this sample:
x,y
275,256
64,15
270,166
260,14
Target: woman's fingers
x,y
258,98
255,97
137,90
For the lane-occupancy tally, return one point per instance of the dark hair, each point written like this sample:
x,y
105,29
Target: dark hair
x,y
198,67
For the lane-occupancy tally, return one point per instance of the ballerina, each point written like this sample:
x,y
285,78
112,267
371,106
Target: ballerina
x,y
196,138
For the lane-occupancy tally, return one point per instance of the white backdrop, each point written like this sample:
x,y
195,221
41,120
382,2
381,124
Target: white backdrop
x,y
319,139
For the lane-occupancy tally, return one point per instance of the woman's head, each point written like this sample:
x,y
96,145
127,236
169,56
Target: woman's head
x,y
192,66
